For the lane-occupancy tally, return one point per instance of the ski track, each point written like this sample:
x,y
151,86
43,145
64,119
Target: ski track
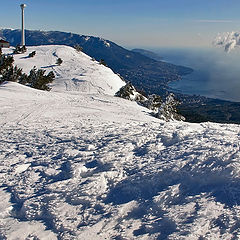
x,y
92,166
139,180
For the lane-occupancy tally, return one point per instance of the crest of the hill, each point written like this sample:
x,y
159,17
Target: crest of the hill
x,y
77,72
145,73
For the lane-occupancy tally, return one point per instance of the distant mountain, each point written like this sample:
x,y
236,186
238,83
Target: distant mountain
x,y
148,53
145,73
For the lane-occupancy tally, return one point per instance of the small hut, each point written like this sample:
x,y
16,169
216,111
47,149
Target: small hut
x,y
4,44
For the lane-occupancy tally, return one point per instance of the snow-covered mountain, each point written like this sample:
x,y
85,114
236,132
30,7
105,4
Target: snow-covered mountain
x,y
79,163
78,72
143,72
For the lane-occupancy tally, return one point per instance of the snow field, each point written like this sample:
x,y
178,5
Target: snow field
x,y
87,165
78,72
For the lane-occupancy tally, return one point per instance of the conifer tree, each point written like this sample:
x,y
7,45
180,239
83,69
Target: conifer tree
x,y
168,110
7,71
78,48
12,74
59,61
37,79
5,63
153,102
19,49
102,61
32,54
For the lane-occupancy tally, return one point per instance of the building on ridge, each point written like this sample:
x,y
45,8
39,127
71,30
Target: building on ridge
x,y
4,44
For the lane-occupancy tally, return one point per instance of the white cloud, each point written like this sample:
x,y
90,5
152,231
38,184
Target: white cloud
x,y
228,40
213,21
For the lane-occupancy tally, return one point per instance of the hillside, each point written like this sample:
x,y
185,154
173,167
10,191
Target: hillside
x,y
79,163
145,73
148,53
78,72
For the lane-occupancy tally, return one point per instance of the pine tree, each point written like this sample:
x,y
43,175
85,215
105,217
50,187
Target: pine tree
x,y
168,110
5,63
153,102
78,48
32,54
130,93
37,79
19,49
7,71
23,79
102,62
59,61
12,74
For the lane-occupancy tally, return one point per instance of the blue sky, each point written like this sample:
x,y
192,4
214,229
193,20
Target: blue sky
x,y
131,23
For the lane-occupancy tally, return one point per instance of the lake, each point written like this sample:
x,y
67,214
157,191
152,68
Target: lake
x,y
216,73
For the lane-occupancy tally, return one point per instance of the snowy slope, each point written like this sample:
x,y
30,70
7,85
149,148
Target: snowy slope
x,y
78,72
87,165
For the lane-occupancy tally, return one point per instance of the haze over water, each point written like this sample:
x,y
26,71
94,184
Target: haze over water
x,y
216,73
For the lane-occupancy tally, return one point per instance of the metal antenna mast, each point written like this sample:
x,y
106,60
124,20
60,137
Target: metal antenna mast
x,y
23,31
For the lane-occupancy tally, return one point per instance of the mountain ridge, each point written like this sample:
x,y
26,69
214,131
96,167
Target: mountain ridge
x,y
143,72
148,75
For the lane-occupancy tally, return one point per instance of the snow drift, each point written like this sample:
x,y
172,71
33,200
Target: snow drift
x,y
78,163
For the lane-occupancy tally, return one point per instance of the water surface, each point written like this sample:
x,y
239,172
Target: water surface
x,y
216,73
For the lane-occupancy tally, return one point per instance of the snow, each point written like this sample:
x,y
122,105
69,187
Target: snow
x,y
22,167
3,28
78,71
105,42
79,163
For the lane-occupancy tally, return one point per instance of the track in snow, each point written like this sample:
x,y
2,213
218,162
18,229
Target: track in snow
x,y
134,179
92,166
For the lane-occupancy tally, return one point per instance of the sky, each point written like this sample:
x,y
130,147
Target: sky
x,y
130,23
